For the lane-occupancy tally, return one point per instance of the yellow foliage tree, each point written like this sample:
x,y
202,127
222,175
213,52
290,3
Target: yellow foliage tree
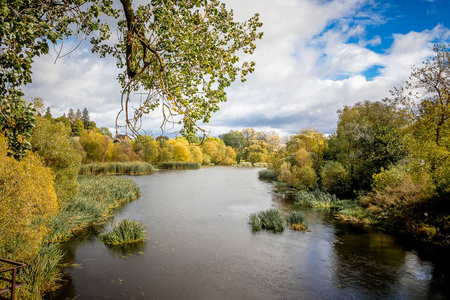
x,y
27,201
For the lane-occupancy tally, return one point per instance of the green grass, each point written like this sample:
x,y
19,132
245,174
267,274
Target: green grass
x,y
96,202
42,274
316,199
125,232
180,165
269,219
113,168
270,175
297,220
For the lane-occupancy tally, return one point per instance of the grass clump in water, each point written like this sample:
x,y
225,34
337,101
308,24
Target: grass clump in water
x,y
297,220
190,165
270,175
269,219
125,232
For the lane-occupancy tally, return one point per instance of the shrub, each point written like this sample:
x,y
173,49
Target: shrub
x,y
297,220
269,219
270,175
127,231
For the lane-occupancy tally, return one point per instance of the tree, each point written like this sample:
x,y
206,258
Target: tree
x,y
78,115
39,107
425,102
71,115
53,143
183,54
368,138
85,118
28,201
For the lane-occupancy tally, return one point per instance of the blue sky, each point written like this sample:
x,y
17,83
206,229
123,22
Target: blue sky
x,y
315,57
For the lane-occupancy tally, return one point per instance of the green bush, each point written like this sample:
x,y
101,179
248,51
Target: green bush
x,y
297,220
127,231
270,175
269,219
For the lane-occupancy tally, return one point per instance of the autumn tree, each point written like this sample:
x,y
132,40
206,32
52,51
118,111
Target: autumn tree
x,y
53,143
425,102
368,138
27,202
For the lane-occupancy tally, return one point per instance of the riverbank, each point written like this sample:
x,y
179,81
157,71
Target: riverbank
x,y
419,221
97,201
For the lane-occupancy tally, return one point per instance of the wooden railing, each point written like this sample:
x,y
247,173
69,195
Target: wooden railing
x,y
12,283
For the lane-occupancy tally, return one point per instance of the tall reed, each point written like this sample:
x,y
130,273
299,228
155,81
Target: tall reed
x,y
125,232
120,168
178,165
269,219
42,274
297,220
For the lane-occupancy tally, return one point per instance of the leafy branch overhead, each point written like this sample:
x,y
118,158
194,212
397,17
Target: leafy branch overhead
x,y
182,54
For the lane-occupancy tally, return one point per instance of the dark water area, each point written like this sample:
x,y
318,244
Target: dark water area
x,y
199,246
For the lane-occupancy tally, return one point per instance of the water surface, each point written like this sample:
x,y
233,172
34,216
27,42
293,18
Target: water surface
x,y
200,246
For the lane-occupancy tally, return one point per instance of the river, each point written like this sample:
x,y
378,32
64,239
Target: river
x,y
199,246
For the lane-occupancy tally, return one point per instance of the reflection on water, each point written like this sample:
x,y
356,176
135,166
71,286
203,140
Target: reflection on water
x,y
200,246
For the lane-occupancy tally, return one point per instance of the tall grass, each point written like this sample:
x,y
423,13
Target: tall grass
x,y
269,219
270,175
96,202
130,168
297,220
42,274
179,165
125,232
316,198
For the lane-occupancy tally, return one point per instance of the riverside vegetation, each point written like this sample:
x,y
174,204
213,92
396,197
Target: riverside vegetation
x,y
389,158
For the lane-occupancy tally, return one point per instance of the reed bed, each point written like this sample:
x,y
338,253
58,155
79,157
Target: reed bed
x,y
269,219
179,165
297,220
117,168
96,202
42,274
125,232
316,199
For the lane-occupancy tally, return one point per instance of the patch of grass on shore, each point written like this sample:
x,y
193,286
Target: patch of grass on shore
x,y
120,168
316,199
180,165
125,232
96,202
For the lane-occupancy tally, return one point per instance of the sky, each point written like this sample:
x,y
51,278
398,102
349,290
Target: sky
x,y
316,56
